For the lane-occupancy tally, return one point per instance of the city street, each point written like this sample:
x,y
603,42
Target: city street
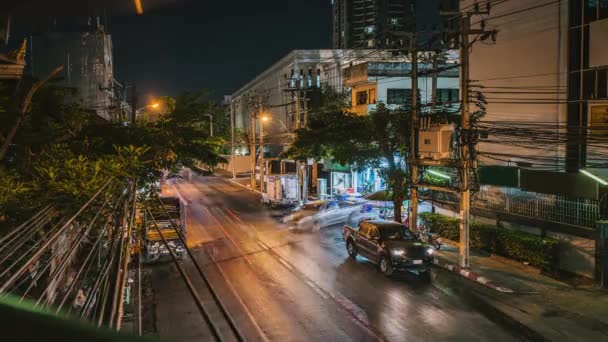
x,y
280,286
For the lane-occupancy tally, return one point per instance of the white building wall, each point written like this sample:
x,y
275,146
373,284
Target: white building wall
x,y
530,51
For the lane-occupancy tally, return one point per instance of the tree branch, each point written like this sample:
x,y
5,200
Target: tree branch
x,y
23,112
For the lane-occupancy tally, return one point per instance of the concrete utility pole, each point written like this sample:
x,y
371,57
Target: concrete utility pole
x,y
413,208
465,155
134,106
305,163
210,116
296,126
434,79
252,151
232,152
262,166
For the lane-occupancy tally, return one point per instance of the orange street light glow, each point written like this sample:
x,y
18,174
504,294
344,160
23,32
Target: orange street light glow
x,y
155,105
138,7
265,118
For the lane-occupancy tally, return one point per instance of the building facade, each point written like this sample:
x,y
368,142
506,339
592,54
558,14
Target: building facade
x,y
370,76
87,63
544,81
391,24
390,83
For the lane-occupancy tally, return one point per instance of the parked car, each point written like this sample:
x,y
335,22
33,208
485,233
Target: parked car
x,y
388,244
322,213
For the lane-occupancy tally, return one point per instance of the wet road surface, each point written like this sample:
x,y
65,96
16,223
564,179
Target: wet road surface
x,y
280,286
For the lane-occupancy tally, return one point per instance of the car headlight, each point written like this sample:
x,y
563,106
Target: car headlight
x,y
398,252
429,251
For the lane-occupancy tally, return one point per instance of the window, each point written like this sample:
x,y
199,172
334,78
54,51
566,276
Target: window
x,y
396,232
599,120
371,96
394,21
345,204
448,95
332,205
370,43
361,97
397,96
400,96
427,141
369,29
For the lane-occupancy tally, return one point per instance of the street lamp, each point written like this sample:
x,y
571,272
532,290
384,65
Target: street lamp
x,y
263,118
210,123
154,105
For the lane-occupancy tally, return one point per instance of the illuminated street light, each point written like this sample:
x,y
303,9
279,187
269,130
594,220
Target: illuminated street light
x,y
594,177
152,105
265,118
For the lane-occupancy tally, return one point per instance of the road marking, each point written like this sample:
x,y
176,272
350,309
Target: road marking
x,y
239,299
346,304
249,261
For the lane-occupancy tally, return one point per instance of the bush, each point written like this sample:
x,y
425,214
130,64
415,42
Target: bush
x,y
538,251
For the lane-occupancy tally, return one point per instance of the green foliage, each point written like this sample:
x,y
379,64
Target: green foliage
x,y
63,154
538,251
378,140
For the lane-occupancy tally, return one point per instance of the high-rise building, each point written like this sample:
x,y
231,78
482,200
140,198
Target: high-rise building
x,y
391,24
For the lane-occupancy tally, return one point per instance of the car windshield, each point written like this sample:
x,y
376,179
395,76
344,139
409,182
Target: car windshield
x,y
396,232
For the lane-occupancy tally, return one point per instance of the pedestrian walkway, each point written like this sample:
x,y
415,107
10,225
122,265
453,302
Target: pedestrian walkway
x,y
549,309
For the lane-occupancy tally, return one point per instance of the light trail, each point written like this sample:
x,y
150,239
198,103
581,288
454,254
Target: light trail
x,y
138,7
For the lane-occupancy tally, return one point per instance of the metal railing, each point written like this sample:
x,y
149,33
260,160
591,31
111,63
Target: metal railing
x,y
563,209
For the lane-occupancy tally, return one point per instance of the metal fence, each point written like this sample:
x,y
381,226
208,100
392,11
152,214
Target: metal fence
x,y
563,209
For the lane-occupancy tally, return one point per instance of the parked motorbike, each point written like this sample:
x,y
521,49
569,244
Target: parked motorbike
x,y
426,236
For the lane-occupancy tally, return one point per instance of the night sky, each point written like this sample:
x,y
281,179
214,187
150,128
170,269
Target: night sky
x,y
179,45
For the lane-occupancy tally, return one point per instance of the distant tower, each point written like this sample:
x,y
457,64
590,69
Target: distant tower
x,y
370,24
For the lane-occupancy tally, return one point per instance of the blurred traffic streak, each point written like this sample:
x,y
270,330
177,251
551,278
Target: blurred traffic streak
x,y
138,7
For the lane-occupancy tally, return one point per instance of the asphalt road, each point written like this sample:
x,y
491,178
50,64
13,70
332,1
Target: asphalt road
x,y
280,286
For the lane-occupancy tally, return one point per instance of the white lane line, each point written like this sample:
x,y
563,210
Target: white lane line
x,y
240,300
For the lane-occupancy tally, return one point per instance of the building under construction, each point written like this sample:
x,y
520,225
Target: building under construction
x,y
87,63
391,24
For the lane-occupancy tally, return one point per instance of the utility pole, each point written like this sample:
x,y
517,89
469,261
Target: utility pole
x,y
305,163
232,152
465,155
413,208
434,79
252,148
134,106
297,126
262,166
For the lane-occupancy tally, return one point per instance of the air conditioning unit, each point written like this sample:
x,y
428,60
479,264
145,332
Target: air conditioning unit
x,y
435,142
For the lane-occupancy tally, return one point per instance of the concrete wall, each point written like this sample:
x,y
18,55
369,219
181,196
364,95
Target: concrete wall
x,y
530,51
242,164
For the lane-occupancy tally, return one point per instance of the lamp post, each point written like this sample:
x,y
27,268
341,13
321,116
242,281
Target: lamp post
x,y
263,118
154,105
210,123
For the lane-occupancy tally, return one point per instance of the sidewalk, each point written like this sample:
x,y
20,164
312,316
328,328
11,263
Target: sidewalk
x,y
541,308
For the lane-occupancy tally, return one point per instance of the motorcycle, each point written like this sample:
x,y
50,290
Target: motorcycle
x,y
426,236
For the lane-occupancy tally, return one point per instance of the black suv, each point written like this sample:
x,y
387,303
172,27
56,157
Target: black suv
x,y
389,244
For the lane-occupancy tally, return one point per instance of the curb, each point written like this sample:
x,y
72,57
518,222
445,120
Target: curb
x,y
471,276
503,318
